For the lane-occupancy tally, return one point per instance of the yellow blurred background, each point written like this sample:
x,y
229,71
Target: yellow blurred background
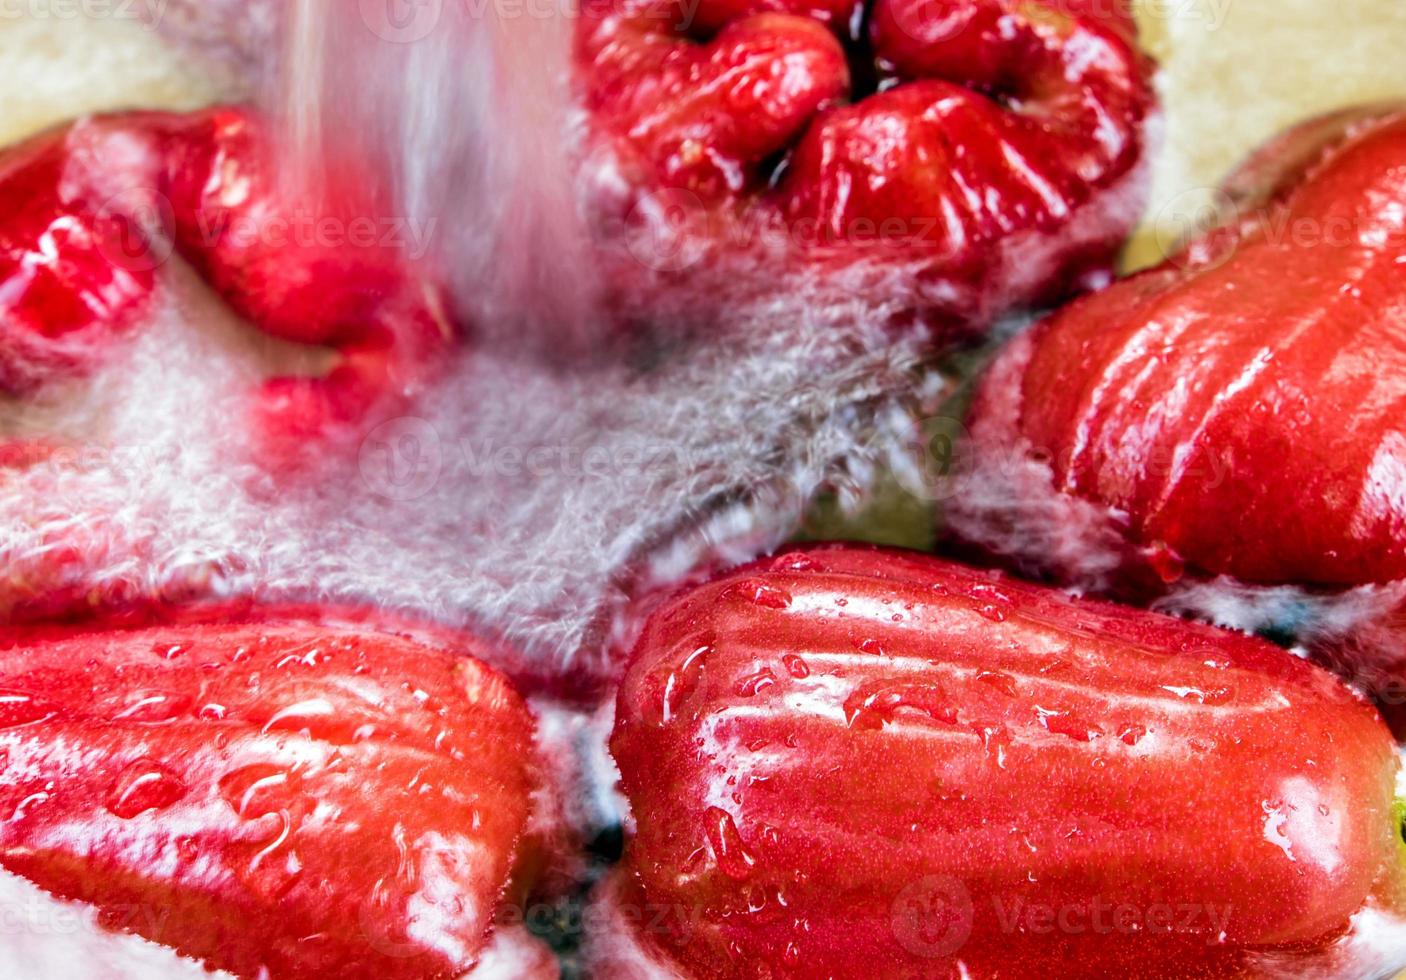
x,y
1234,72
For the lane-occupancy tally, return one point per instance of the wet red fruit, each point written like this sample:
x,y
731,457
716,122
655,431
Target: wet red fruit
x,y
99,206
327,271
990,146
1237,408
74,266
856,762
302,800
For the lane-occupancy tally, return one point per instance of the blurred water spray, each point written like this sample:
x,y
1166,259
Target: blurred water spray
x,y
464,106
526,496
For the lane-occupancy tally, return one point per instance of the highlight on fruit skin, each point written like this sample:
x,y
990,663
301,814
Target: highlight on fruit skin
x,y
973,155
98,207
1221,435
862,762
293,800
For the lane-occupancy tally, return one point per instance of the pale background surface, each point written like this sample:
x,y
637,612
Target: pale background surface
x,y
1234,72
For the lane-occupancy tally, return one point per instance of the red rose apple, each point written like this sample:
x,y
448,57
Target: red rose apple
x,y
95,208
988,149
855,762
293,800
1236,412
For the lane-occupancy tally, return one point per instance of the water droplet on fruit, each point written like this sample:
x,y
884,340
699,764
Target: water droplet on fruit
x,y
993,613
872,647
170,651
1132,734
1000,680
754,684
154,707
796,561
1063,723
680,684
759,593
255,791
868,709
1274,828
144,785
304,716
795,666
731,855
1210,696
995,740
17,709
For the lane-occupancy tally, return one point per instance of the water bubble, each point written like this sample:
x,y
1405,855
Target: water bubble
x,y
18,709
998,679
759,593
754,684
144,785
256,791
681,683
305,716
1132,733
155,707
868,709
731,854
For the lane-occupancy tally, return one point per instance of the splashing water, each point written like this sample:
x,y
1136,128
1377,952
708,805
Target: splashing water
x,y
522,497
465,108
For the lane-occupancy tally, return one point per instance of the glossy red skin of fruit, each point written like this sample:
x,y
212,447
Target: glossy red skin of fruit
x,y
97,207
66,287
1239,408
994,127
821,736
302,800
